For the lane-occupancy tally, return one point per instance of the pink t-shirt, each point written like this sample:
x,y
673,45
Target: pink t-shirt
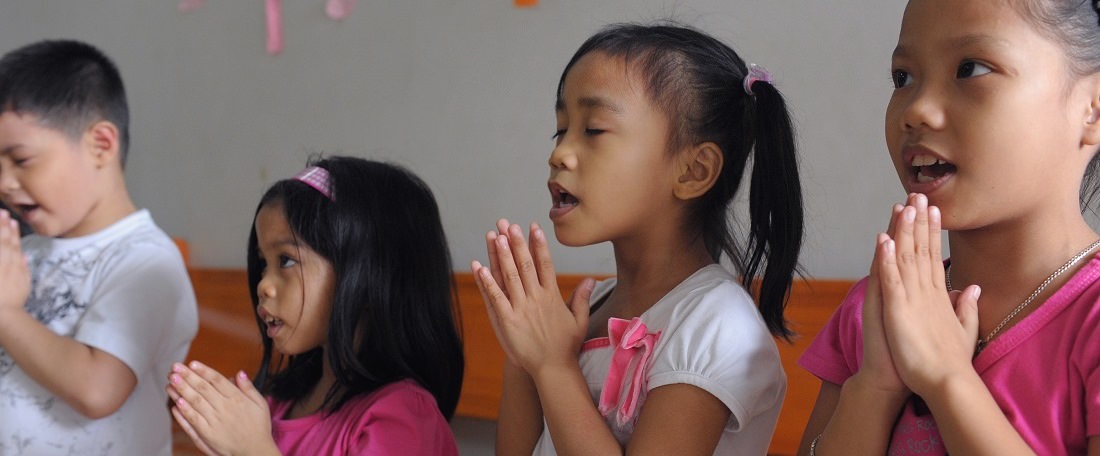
x,y
400,418
1044,372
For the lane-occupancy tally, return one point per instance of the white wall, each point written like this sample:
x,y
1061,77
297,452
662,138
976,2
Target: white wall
x,y
461,92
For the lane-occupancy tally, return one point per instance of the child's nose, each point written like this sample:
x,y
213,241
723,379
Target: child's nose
x,y
924,110
265,289
563,156
8,183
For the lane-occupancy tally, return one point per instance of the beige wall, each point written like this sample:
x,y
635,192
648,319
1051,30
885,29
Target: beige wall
x,y
462,93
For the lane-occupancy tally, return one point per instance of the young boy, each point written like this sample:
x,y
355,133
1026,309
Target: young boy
x,y
96,305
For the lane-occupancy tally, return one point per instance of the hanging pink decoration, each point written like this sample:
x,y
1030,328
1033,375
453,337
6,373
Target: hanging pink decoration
x,y
274,26
339,9
190,5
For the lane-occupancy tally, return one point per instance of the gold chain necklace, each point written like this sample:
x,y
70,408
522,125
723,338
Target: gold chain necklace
x,y
982,342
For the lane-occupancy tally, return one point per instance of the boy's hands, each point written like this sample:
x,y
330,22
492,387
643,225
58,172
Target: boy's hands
x,y
533,324
223,418
15,276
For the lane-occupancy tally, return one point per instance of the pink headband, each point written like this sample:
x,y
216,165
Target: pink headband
x,y
756,73
318,178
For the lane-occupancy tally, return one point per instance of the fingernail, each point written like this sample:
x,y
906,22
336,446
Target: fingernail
x,y
502,242
177,367
176,379
910,214
241,375
890,246
195,364
977,292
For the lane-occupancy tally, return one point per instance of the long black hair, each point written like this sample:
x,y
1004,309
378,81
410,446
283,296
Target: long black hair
x,y
696,81
393,314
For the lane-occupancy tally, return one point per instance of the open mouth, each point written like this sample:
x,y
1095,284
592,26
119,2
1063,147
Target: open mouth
x,y
563,199
927,168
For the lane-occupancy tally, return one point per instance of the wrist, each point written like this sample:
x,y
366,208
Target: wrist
x,y
863,386
952,388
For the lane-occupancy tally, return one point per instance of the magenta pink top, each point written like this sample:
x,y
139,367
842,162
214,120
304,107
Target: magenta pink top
x,y
400,418
1044,372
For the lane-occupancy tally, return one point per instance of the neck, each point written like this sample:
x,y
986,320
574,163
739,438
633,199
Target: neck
x,y
311,403
649,267
1009,261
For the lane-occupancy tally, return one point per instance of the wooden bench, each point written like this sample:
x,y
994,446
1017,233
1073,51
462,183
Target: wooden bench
x,y
228,340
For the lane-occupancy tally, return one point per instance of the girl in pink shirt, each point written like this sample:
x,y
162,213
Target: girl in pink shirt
x,y
350,279
993,127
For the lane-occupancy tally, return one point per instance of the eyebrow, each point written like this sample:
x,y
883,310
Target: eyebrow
x,y
962,42
592,102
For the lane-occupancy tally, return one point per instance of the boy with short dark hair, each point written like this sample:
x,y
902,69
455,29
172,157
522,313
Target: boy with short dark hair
x,y
96,305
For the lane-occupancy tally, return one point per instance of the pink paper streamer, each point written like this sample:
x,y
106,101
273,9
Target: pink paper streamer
x,y
186,6
339,9
274,27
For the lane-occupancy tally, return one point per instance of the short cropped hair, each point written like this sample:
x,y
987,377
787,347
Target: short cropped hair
x,y
68,85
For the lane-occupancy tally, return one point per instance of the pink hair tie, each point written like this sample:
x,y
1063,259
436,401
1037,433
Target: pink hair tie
x,y
756,74
318,178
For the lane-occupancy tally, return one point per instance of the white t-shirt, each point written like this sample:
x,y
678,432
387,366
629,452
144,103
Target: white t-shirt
x,y
712,337
123,290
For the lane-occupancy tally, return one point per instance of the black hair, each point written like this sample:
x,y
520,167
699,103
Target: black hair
x,y
1075,24
696,81
68,85
393,308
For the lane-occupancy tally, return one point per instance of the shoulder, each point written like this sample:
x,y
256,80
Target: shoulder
x,y
397,401
400,418
716,340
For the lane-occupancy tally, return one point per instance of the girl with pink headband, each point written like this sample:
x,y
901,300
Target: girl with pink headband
x,y
655,125
350,279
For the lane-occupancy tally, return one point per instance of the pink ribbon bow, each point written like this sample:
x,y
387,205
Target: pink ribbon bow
x,y
632,347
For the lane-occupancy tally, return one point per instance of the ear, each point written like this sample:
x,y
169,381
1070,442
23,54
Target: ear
x,y
1090,135
699,168
102,140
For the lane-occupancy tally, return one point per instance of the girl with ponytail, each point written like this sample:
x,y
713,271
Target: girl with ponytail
x,y
656,125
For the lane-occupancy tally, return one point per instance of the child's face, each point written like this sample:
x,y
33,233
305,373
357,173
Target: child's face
x,y
48,178
986,119
296,285
610,172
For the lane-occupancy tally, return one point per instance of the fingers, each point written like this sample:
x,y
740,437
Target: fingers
x,y
525,265
894,211
544,265
935,245
966,308
579,303
191,432
496,302
220,384
922,247
872,301
249,390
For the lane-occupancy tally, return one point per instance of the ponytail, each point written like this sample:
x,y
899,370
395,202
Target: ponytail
x,y
775,208
709,94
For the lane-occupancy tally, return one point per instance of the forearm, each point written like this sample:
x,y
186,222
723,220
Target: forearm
x,y
88,380
575,425
862,421
520,418
970,422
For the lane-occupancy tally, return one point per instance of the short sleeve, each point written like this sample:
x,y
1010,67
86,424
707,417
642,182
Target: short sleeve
x,y
142,309
1086,358
404,420
718,342
837,351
